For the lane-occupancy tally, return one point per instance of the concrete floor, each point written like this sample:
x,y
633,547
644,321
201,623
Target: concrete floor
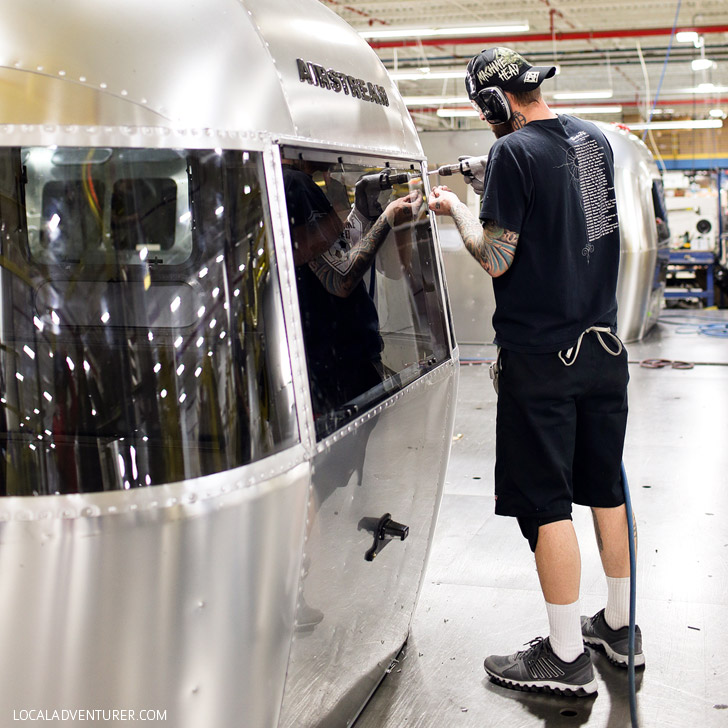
x,y
481,592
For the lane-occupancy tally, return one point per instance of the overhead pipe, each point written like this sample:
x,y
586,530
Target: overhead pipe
x,y
543,37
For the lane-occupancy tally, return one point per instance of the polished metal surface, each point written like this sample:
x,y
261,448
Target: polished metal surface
x,y
177,598
223,70
641,282
183,597
481,593
391,462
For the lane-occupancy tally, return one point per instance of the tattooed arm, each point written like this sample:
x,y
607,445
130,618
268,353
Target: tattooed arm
x,y
342,279
361,256
491,245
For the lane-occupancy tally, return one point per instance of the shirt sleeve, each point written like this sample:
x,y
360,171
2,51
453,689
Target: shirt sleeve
x,y
506,189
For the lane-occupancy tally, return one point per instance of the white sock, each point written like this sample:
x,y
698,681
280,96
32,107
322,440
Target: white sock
x,y
616,613
565,630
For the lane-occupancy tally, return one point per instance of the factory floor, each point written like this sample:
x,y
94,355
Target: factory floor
x,y
481,592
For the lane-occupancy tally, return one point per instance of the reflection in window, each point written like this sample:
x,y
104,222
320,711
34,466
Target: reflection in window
x,y
369,291
141,319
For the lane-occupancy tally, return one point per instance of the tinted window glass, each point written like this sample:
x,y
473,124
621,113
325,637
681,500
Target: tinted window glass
x,y
141,327
370,295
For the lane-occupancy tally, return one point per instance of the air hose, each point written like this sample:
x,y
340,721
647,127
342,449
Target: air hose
x,y
632,599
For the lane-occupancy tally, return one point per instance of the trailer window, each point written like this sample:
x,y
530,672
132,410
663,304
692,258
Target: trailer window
x,y
367,334
141,324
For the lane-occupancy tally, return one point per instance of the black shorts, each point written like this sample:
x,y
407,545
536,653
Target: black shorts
x,y
560,431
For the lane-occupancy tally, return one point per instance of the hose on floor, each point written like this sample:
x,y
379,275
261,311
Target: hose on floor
x,y
632,600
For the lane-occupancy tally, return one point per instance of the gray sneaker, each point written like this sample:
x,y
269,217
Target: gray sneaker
x,y
615,642
540,670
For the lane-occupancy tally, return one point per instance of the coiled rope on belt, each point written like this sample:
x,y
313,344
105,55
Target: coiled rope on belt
x,y
566,356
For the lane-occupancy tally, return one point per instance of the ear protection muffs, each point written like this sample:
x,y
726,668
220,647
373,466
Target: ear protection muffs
x,y
494,105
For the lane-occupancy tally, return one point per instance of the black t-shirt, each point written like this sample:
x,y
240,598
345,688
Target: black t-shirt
x,y
552,182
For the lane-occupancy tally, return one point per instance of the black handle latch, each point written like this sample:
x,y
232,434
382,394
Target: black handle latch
x,y
385,529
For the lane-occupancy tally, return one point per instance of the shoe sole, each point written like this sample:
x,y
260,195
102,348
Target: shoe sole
x,y
616,658
543,686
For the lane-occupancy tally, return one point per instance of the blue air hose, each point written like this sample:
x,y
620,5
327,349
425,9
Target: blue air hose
x,y
632,599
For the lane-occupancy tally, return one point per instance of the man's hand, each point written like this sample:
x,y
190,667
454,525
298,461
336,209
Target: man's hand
x,y
404,209
442,200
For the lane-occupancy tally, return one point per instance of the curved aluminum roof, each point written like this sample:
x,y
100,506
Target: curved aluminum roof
x,y
288,68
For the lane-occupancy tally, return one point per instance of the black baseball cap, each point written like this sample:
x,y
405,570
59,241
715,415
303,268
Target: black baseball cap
x,y
506,69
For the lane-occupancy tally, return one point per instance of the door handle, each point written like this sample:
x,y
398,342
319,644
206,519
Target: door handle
x,y
384,530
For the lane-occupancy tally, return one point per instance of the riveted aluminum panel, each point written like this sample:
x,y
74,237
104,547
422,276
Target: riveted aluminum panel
x,y
224,65
391,460
171,63
175,598
181,597
311,32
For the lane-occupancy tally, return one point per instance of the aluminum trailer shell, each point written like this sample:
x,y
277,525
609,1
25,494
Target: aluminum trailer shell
x,y
225,69
182,597
641,282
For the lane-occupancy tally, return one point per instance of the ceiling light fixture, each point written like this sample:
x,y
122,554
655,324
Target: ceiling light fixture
x,y
566,95
701,88
434,100
690,124
702,64
686,36
588,110
456,112
429,75
401,33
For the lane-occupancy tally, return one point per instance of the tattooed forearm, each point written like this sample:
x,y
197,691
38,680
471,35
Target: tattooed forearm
x,y
361,255
492,246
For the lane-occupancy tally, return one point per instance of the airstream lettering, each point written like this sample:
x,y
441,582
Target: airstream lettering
x,y
205,434
317,75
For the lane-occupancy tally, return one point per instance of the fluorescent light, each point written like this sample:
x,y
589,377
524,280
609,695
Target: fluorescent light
x,y
426,75
397,33
717,113
603,94
702,64
702,88
699,124
686,36
457,112
434,100
615,109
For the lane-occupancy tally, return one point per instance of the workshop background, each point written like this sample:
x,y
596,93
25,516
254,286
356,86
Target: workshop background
x,y
660,69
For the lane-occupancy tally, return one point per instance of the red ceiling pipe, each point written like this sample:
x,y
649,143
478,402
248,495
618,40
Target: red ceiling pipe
x,y
542,37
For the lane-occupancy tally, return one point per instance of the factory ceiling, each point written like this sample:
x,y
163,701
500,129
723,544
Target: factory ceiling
x,y
627,50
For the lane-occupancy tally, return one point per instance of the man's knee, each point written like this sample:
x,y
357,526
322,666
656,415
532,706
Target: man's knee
x,y
530,524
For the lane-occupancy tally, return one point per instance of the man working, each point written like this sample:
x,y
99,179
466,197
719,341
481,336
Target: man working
x,y
549,237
